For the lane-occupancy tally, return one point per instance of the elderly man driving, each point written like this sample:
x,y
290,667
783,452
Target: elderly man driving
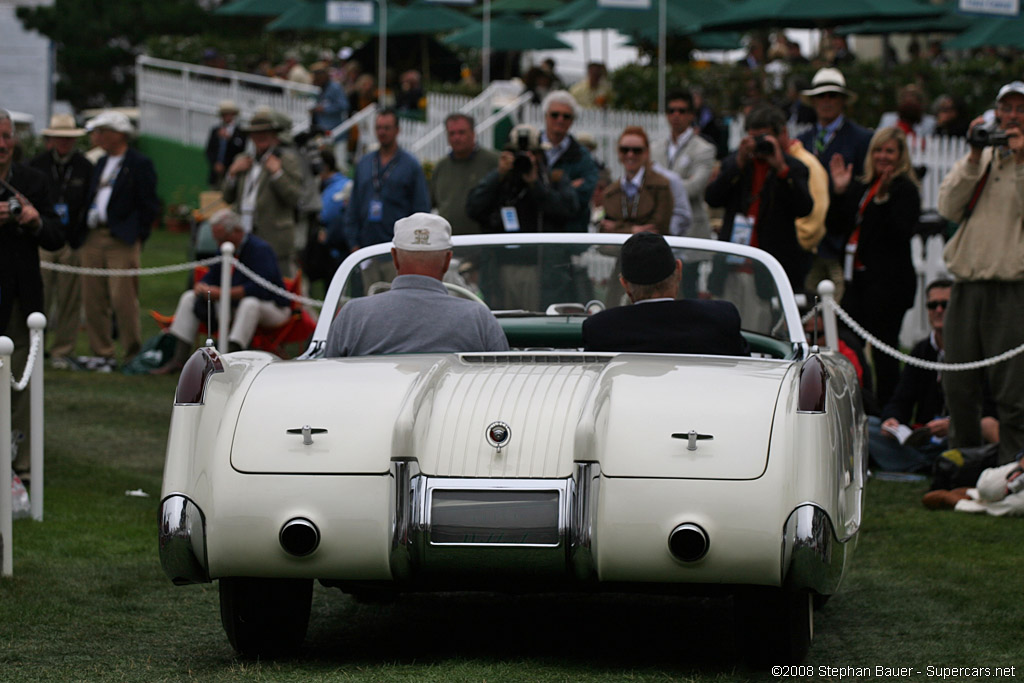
x,y
417,315
657,322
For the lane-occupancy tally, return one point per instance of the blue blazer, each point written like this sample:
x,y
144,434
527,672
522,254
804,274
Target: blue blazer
x,y
133,202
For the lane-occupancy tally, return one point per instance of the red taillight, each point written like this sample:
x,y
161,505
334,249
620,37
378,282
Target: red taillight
x,y
192,381
813,386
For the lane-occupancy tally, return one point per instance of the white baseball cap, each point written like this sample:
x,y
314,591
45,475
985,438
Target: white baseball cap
x,y
1011,88
114,120
423,232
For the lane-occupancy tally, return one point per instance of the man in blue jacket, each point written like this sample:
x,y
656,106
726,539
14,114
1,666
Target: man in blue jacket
x,y
832,134
568,161
122,209
252,303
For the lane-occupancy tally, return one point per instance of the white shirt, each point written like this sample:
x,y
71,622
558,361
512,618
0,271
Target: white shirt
x,y
106,186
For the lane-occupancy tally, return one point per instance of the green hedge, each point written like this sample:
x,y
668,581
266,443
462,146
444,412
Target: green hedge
x,y
726,86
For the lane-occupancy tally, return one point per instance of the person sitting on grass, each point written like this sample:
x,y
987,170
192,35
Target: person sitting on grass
x,y
999,492
253,305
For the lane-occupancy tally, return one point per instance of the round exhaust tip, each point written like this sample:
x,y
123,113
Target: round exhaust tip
x,y
688,542
299,537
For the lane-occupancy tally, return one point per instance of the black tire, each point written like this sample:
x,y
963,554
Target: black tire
x,y
265,617
777,625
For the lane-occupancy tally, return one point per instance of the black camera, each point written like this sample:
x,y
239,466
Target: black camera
x,y
524,159
763,147
987,135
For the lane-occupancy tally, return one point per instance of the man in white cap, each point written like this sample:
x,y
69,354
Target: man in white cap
x,y
984,195
417,315
226,141
122,209
832,134
69,174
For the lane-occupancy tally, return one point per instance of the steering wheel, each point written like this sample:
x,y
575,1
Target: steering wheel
x,y
461,292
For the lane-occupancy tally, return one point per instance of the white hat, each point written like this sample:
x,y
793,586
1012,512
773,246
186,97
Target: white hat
x,y
423,232
62,126
828,80
227,106
1011,88
114,120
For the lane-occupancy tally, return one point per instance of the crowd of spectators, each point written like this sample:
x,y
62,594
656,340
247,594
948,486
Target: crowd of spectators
x,y
839,202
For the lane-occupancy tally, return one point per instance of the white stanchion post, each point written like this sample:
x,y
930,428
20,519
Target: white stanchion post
x,y
827,292
6,506
227,251
37,328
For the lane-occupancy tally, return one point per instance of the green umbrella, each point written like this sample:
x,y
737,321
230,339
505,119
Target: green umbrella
x,y
317,16
752,14
255,8
990,32
950,21
557,18
680,18
423,17
520,6
509,32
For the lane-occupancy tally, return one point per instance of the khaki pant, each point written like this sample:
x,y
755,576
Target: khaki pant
x,y
249,314
825,269
63,292
105,296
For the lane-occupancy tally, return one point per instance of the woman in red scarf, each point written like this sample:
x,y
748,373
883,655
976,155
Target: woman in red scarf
x,y
878,214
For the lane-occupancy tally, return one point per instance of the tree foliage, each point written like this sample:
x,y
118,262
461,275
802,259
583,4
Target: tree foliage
x,y
97,42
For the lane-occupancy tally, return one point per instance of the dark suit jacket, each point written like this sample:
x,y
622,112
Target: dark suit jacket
x,y
235,146
20,277
783,200
133,202
851,142
68,185
685,326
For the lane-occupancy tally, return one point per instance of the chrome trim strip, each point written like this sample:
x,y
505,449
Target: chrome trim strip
x,y
182,539
405,476
586,481
813,557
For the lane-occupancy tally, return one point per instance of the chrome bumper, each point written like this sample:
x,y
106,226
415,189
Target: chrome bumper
x,y
540,529
183,541
813,557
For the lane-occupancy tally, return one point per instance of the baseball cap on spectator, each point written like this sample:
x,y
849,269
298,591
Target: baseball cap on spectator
x,y
63,126
423,232
1015,87
647,259
111,120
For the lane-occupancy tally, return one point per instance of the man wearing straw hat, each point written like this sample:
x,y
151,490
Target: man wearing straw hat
x,y
226,141
69,174
832,134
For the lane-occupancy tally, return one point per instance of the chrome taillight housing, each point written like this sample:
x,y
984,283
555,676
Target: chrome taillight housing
x,y
191,390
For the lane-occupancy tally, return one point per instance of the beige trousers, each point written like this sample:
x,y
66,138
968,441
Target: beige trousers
x,y
247,316
63,292
106,296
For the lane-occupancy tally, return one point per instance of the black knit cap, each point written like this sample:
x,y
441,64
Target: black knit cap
x,y
647,259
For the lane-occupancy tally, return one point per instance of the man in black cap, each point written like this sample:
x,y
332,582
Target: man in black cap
x,y
657,322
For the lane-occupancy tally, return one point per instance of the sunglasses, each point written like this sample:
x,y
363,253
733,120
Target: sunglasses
x,y
829,95
560,115
631,150
933,305
677,110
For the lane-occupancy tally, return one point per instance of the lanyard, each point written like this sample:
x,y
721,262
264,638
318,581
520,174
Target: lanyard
x,y
61,183
378,178
631,210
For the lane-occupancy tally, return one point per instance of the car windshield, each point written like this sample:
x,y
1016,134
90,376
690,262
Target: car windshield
x,y
517,280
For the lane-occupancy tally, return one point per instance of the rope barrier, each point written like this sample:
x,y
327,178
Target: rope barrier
x,y
912,360
181,267
33,351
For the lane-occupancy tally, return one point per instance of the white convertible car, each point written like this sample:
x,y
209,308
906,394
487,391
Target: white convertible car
x,y
545,468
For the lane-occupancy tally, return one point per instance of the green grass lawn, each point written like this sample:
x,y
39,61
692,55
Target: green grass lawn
x,y
88,600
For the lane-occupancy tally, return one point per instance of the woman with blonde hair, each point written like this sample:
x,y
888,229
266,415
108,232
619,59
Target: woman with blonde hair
x,y
878,213
641,200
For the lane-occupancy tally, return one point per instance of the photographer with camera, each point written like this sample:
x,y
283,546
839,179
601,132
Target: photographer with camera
x,y
984,195
763,191
27,222
521,196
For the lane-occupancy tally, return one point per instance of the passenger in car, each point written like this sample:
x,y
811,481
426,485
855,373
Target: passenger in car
x,y
417,315
657,322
